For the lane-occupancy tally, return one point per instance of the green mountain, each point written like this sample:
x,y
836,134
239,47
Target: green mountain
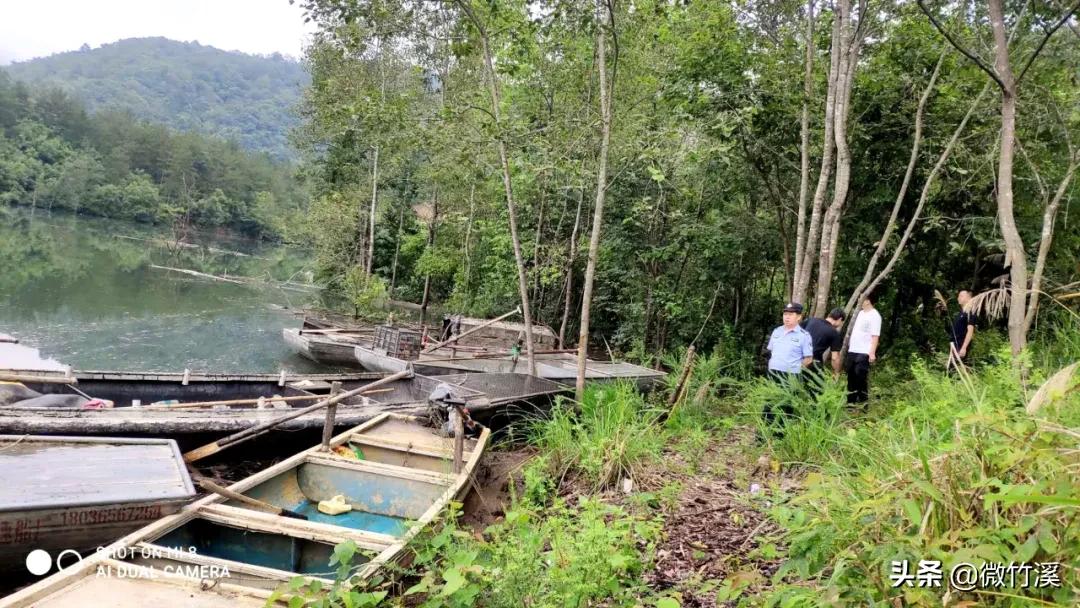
x,y
184,85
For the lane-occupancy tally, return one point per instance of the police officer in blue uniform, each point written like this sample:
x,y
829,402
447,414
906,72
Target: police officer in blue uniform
x,y
791,350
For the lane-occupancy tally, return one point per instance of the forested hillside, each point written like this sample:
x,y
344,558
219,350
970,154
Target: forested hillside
x,y
183,85
55,155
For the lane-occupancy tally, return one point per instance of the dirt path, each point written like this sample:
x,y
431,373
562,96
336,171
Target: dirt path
x,y
717,524
711,530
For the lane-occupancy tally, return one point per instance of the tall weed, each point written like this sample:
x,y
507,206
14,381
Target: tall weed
x,y
561,556
810,432
956,472
610,436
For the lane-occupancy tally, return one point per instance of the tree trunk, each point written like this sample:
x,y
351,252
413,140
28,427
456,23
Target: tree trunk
x,y
468,245
570,272
1015,256
375,173
805,267
923,197
425,300
913,159
504,162
849,61
397,250
536,244
804,150
598,211
371,218
1045,238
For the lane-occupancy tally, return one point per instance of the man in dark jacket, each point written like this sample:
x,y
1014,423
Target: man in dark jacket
x,y
826,336
963,327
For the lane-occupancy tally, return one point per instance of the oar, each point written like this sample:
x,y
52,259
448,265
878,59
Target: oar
x,y
227,493
259,429
76,389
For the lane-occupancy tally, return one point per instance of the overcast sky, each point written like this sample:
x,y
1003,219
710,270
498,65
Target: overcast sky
x,y
35,28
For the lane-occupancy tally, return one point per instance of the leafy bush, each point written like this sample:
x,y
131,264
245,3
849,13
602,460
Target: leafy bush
x,y
367,294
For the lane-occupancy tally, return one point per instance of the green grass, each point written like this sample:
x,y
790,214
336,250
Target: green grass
x,y
611,436
955,471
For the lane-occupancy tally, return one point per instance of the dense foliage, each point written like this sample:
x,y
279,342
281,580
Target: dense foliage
x,y
182,85
53,154
700,226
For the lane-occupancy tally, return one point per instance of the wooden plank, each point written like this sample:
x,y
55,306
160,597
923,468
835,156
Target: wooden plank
x,y
52,379
264,522
205,587
169,553
114,592
411,447
48,474
369,466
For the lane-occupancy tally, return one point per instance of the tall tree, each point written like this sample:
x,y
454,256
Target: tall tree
x,y
1009,85
605,26
504,163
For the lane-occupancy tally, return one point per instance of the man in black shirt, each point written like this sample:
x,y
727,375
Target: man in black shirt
x,y
826,335
963,326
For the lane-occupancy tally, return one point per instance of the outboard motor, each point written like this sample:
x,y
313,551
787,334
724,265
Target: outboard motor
x,y
447,406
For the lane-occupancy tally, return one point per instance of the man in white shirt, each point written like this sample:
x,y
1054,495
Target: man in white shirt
x,y
862,350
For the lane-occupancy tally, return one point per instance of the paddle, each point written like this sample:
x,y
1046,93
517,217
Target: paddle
x,y
227,493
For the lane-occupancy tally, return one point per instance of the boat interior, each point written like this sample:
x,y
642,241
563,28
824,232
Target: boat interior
x,y
394,474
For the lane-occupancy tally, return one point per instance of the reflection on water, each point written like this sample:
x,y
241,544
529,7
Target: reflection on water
x,y
22,357
83,291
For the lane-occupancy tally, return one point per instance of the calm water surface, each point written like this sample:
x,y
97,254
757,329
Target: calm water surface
x,y
83,292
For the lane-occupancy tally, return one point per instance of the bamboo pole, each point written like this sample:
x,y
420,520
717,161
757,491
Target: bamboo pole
x,y
227,493
688,365
198,404
259,429
39,379
459,441
331,415
473,330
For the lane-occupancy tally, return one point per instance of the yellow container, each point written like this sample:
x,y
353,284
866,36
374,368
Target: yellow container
x,y
334,506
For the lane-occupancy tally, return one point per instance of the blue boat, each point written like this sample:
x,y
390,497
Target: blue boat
x,y
394,474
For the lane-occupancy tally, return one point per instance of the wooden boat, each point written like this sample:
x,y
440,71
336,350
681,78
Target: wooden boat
x,y
76,493
557,367
223,553
323,346
125,388
324,341
487,350
484,394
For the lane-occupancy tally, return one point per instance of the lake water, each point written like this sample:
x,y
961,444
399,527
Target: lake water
x,y
83,291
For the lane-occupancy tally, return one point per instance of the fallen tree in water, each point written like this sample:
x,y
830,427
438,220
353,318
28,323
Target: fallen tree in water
x,y
240,280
